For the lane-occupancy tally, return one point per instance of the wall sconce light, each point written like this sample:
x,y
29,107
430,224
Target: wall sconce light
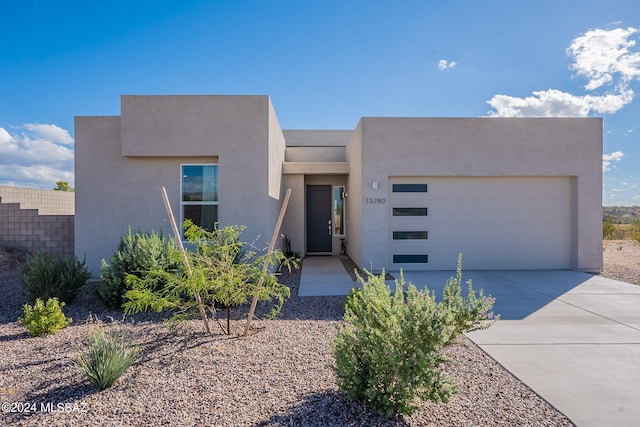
x,y
374,185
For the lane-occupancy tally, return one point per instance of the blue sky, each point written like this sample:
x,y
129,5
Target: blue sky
x,y
325,64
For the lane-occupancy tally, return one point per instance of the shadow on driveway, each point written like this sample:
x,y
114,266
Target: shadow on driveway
x,y
518,293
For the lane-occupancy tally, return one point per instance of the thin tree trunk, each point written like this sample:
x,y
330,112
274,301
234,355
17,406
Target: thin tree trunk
x,y
228,320
167,205
276,230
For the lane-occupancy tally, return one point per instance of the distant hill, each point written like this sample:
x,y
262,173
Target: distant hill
x,y
621,214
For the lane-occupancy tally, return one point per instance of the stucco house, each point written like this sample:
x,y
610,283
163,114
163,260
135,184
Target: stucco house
x,y
412,193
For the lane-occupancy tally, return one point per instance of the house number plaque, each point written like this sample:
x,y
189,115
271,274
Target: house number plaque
x,y
375,200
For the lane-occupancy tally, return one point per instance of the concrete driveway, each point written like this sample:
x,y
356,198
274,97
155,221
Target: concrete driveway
x,y
572,337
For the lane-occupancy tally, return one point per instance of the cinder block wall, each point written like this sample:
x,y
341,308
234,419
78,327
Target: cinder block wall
x,y
37,220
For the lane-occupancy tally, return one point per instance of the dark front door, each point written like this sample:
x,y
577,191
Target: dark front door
x,y
319,227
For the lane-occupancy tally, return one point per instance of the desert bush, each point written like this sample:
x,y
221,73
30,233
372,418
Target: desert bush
x,y
388,353
625,231
223,273
46,276
136,254
635,230
42,319
608,229
108,357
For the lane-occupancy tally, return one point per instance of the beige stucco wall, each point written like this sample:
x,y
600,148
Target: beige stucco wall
x,y
122,162
315,154
293,225
475,147
114,192
354,197
193,125
317,137
276,150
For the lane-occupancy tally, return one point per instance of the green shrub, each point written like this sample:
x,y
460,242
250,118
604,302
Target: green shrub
x,y
137,253
608,229
388,353
108,357
635,230
47,277
41,319
223,273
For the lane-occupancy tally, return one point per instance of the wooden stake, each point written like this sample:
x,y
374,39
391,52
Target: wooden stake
x,y
185,259
272,244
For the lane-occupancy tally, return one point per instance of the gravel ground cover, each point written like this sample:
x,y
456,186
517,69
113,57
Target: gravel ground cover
x,y
622,260
279,376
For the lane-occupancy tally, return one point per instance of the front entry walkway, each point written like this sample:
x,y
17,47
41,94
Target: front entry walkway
x,y
324,276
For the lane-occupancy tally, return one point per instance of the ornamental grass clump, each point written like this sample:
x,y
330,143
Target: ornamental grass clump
x,y
388,353
44,318
108,357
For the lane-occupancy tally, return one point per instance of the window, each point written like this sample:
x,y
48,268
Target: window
x,y
410,235
409,211
338,211
199,194
409,188
411,259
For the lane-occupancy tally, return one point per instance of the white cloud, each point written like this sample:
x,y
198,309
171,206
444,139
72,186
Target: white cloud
x,y
599,55
616,156
5,138
605,58
37,176
443,64
50,132
36,157
555,103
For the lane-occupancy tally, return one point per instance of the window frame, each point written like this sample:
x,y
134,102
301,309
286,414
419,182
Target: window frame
x,y
184,203
410,235
344,210
410,258
405,187
409,211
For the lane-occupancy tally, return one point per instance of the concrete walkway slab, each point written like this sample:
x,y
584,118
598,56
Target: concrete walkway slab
x,y
324,276
573,337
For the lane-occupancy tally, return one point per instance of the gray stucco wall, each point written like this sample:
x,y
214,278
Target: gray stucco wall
x,y
293,225
122,163
477,147
355,196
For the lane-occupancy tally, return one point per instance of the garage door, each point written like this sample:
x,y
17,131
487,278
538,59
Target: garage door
x,y
495,222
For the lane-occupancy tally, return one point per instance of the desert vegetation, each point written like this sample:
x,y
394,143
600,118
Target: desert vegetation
x,y
221,271
388,354
108,367
621,223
